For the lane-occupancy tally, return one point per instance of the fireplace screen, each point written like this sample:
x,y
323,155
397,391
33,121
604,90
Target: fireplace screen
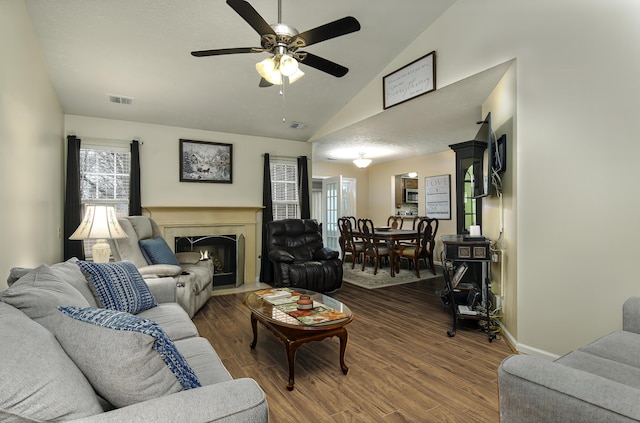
x,y
224,253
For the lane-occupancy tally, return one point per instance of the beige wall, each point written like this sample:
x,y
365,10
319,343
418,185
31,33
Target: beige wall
x,y
381,187
160,166
576,103
31,146
160,183
499,212
328,169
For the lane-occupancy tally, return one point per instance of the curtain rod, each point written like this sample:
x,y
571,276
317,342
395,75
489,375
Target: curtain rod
x,y
277,156
95,139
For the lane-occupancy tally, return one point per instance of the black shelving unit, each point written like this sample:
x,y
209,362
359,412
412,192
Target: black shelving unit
x,y
473,250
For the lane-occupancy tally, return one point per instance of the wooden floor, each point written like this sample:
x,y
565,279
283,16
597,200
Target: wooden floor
x,y
402,365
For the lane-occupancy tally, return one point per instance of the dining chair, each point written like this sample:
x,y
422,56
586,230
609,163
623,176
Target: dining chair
x,y
372,248
395,221
350,244
422,248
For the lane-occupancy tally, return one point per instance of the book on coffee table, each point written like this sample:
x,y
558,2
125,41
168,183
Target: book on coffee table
x,y
320,314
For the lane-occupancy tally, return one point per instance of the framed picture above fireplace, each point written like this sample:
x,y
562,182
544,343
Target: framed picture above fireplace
x,y
204,161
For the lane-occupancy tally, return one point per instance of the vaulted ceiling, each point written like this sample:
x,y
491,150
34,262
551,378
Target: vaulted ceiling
x,y
141,49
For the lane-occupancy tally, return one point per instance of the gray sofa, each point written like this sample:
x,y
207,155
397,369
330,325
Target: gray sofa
x,y
194,278
56,368
599,382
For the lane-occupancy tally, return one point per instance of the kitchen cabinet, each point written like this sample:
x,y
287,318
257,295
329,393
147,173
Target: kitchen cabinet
x,y
411,183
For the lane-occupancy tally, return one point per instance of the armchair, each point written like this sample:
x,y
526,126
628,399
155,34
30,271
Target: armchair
x,y
298,256
194,278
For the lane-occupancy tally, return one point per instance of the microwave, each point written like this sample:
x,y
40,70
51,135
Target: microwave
x,y
411,195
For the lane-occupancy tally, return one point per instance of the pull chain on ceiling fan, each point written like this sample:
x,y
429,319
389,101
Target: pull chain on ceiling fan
x,y
283,42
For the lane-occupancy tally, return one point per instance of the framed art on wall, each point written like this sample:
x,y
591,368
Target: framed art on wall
x,y
438,196
204,161
410,81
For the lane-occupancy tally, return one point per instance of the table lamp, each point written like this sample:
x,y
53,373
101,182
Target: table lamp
x,y
100,223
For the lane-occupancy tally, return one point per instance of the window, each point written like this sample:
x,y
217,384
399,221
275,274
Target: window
x,y
284,188
104,178
470,209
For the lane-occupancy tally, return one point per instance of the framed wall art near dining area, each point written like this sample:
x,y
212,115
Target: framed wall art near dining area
x,y
204,161
438,196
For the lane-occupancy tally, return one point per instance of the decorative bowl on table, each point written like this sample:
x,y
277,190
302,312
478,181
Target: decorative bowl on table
x,y
383,228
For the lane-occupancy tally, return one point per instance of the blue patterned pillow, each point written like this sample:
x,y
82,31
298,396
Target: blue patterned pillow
x,y
117,320
156,251
119,286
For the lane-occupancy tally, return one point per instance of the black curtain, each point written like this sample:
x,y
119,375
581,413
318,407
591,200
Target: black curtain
x,y
303,188
72,204
135,200
266,267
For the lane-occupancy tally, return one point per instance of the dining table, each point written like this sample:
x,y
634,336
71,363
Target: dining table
x,y
392,237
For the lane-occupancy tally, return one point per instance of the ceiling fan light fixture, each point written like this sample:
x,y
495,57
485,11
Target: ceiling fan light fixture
x,y
288,65
267,69
295,76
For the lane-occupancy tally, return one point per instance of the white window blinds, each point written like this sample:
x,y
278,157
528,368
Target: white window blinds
x,y
284,188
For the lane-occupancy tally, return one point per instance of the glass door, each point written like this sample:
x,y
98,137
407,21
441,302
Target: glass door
x,y
338,199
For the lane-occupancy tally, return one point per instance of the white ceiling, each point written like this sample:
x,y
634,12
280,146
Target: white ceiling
x,y
141,49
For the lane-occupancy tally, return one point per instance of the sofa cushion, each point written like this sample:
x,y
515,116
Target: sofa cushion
x,y
126,358
127,248
172,319
39,292
67,271
39,381
119,286
143,226
204,361
614,357
157,251
16,273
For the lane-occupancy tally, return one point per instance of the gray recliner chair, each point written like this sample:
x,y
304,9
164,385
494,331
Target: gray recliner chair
x,y
194,278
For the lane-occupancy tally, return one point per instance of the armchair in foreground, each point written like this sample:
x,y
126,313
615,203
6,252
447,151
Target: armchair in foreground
x,y
299,258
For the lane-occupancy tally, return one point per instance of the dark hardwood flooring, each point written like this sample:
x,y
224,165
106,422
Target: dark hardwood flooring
x,y
402,365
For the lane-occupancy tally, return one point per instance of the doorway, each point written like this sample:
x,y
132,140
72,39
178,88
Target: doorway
x,y
338,199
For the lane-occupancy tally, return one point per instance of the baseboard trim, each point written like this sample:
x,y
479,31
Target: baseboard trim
x,y
521,348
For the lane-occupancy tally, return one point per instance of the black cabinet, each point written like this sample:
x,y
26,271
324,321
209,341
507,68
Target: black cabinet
x,y
469,171
474,251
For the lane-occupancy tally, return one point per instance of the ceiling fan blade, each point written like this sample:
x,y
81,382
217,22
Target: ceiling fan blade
x,y
264,83
321,64
220,51
253,18
326,32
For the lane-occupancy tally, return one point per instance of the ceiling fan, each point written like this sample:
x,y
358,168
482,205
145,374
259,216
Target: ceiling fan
x,y
283,42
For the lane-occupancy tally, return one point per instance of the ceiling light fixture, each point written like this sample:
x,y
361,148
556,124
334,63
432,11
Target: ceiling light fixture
x,y
412,174
273,69
362,162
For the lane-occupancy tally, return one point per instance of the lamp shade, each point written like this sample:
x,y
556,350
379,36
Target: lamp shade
x,y
99,222
288,65
295,76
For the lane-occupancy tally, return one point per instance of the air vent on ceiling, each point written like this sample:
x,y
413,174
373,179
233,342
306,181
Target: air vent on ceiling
x,y
120,99
297,125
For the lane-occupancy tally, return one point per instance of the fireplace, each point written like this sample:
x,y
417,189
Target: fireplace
x,y
226,253
187,221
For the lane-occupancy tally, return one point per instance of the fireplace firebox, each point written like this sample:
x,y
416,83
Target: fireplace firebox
x,y
226,252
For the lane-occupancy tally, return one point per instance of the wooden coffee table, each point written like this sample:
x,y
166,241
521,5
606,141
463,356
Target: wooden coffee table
x,y
294,333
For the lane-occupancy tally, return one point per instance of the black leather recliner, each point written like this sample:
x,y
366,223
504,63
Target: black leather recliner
x,y
299,258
